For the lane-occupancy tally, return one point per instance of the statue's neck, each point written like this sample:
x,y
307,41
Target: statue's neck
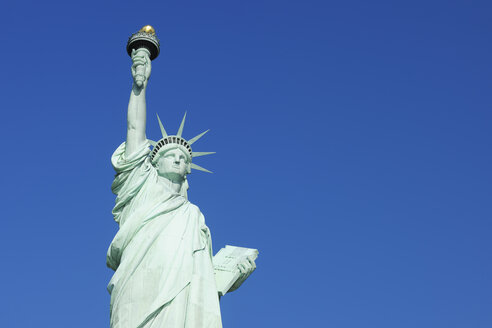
x,y
173,185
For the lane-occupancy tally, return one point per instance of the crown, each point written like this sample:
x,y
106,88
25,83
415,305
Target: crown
x,y
178,141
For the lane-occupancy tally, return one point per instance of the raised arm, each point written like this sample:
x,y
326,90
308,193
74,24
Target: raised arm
x,y
141,68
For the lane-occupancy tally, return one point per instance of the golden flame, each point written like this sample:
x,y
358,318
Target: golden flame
x,y
147,29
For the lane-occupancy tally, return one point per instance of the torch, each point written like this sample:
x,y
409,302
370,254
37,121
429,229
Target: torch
x,y
143,40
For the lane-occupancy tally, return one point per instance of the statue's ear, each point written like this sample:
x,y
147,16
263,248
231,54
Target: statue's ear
x,y
188,168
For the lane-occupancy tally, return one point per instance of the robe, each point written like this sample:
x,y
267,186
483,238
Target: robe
x,y
162,253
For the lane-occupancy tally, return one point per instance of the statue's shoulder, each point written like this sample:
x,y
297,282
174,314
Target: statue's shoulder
x,y
195,210
193,207
197,215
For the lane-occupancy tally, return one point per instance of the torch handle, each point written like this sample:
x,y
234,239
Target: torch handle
x,y
140,69
140,75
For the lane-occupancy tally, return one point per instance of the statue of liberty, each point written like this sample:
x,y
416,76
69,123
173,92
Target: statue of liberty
x,y
162,253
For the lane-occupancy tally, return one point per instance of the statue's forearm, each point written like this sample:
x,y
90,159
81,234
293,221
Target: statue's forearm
x,y
136,120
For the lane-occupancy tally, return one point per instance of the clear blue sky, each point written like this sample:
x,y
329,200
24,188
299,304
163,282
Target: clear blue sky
x,y
353,145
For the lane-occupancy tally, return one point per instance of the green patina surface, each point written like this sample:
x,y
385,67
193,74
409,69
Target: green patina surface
x,y
162,254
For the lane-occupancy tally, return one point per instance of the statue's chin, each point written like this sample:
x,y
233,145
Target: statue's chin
x,y
172,176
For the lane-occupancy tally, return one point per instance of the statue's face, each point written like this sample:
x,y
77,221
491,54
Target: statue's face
x,y
173,165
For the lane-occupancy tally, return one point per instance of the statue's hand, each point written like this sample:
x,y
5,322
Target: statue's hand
x,y
141,67
245,268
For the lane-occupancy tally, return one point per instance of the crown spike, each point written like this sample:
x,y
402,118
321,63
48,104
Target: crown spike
x,y
202,153
163,131
152,142
192,140
197,167
180,130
